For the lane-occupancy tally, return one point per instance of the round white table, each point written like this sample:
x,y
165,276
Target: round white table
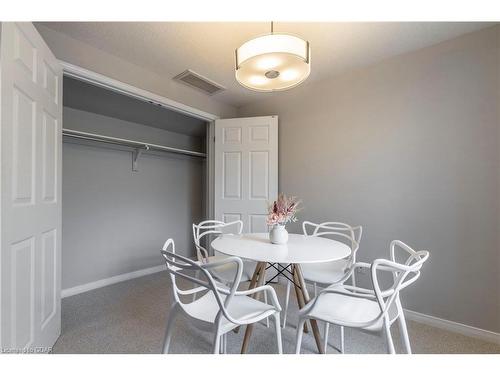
x,y
299,249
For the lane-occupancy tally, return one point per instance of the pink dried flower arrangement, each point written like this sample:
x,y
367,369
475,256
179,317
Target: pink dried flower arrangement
x,y
283,210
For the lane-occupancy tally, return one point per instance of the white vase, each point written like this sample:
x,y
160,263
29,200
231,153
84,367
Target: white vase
x,y
278,235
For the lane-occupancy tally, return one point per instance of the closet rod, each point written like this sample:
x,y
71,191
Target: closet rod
x,y
129,142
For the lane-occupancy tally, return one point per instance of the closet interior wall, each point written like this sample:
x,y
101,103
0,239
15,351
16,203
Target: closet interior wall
x,y
114,219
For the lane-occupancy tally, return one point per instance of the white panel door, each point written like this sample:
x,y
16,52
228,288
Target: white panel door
x,y
30,222
246,169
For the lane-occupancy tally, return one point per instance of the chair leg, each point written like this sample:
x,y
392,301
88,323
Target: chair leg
x,y
327,326
341,346
169,329
315,290
223,344
390,343
217,342
300,331
287,299
267,319
404,332
342,339
277,327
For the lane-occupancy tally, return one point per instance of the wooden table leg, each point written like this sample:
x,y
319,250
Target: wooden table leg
x,y
305,294
255,277
298,294
260,279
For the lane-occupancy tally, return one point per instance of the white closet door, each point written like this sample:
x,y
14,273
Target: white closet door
x,y
246,169
31,122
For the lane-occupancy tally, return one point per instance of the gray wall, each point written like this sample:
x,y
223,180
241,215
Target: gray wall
x,y
408,148
115,220
84,55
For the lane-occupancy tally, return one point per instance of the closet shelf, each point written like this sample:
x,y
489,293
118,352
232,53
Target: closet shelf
x,y
129,142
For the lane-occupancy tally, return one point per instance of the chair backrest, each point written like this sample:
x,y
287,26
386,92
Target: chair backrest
x,y
185,268
338,231
210,227
404,273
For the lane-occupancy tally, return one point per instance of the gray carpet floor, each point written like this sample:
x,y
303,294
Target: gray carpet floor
x,y
129,317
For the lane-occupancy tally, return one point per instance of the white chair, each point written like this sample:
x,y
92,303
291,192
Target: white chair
x,y
207,228
327,273
371,310
217,308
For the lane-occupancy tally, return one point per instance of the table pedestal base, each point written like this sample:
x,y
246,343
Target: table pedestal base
x,y
258,279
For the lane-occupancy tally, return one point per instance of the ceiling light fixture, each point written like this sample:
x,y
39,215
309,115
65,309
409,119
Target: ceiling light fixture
x,y
273,62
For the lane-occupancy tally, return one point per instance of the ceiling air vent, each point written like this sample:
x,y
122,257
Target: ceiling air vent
x,y
197,81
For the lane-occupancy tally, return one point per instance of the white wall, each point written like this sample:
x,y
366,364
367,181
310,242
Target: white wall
x,y
116,220
408,148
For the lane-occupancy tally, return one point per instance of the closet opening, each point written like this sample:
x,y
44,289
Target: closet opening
x,y
134,174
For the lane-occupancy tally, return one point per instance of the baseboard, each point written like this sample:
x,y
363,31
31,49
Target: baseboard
x,y
448,325
110,280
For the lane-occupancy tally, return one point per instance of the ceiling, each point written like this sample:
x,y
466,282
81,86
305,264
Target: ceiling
x,y
90,98
169,48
